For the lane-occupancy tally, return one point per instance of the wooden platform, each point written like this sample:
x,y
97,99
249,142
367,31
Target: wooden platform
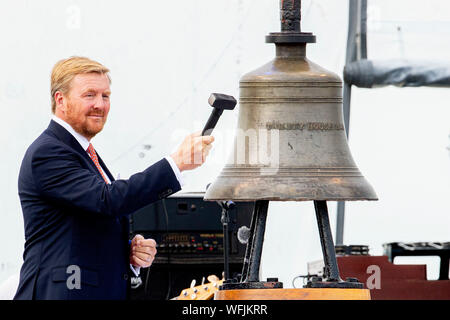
x,y
293,294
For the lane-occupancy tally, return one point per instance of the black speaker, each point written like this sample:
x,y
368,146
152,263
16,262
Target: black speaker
x,y
189,236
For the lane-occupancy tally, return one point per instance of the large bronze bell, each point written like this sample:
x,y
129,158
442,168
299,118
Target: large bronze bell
x,y
290,144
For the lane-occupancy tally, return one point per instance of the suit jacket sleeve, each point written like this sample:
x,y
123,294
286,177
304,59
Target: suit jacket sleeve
x,y
60,176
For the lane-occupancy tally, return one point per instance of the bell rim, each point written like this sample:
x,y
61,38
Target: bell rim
x,y
214,194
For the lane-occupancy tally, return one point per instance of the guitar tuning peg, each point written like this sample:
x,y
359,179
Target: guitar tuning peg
x,y
203,284
223,275
193,296
213,278
184,293
193,283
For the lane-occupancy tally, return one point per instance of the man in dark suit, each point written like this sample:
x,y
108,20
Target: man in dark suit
x,y
75,213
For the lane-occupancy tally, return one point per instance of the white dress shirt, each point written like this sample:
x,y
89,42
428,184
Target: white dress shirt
x,y
84,142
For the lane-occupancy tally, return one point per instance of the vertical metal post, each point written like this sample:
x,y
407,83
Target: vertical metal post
x,y
248,249
331,272
260,216
326,240
356,49
340,221
225,220
363,30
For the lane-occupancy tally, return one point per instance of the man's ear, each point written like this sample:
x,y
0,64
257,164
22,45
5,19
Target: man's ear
x,y
60,101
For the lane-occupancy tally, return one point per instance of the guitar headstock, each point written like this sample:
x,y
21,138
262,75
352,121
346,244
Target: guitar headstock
x,y
205,291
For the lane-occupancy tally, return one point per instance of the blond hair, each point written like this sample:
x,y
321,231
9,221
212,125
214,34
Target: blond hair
x,y
65,70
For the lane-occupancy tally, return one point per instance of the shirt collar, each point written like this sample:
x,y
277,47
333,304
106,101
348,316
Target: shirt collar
x,y
81,140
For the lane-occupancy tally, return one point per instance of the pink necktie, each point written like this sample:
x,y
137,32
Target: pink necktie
x,y
90,150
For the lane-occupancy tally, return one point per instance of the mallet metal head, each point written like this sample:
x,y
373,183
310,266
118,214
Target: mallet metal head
x,y
222,101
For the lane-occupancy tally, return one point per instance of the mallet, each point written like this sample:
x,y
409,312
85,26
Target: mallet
x,y
219,102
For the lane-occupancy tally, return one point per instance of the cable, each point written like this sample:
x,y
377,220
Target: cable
x,y
169,287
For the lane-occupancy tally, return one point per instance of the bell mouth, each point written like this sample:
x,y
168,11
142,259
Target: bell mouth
x,y
290,184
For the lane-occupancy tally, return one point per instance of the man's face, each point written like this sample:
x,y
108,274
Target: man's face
x,y
86,106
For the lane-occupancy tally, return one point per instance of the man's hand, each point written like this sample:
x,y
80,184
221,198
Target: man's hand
x,y
142,251
193,151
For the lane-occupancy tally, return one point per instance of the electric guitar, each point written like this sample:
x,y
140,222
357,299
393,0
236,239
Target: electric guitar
x,y
205,291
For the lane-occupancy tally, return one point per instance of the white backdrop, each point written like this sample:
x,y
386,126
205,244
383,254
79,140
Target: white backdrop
x,y
166,57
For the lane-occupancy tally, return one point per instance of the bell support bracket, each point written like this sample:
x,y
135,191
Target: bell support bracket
x,y
331,272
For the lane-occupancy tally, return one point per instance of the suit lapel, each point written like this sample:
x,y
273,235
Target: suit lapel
x,y
105,168
65,136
